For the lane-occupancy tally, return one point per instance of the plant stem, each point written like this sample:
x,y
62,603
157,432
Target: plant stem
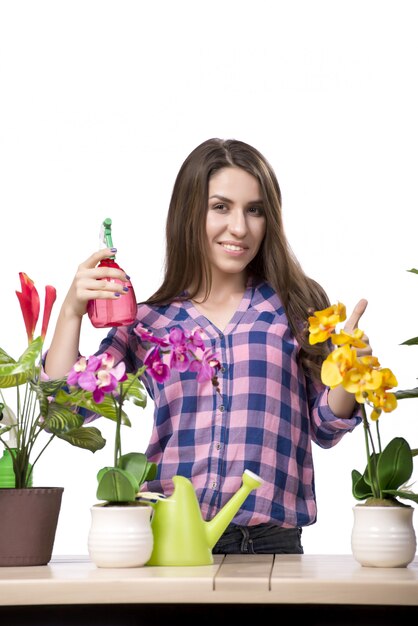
x,y
118,407
371,466
378,435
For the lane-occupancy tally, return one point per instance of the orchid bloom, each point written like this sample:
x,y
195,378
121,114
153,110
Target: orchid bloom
x,y
322,323
360,379
380,399
146,335
30,305
207,367
343,338
196,339
337,363
179,355
158,370
97,374
361,376
180,349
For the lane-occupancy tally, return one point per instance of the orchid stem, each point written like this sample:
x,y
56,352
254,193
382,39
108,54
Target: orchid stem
x,y
372,471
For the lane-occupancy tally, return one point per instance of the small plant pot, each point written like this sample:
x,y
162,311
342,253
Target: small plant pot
x,y
28,522
120,536
383,536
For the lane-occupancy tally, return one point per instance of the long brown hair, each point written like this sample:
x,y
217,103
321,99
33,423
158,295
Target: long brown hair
x,y
186,266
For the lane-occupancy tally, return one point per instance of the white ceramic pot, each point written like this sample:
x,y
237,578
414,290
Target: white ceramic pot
x,y
120,536
383,536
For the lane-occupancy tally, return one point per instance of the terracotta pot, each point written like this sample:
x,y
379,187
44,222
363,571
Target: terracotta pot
x,y
28,522
383,536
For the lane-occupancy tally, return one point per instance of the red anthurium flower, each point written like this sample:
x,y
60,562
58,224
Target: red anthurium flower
x,y
29,303
50,297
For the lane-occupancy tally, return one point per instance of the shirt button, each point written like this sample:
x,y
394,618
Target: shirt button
x,y
218,446
222,408
214,485
221,336
223,369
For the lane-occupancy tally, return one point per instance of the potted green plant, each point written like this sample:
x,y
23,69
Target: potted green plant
x,y
46,409
28,425
120,534
384,482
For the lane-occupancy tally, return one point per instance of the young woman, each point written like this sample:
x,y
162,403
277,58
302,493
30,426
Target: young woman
x,y
230,271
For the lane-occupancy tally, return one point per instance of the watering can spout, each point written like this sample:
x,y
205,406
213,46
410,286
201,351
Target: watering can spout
x,y
181,536
216,526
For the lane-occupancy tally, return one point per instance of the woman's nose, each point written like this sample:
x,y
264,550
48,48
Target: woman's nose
x,y
237,223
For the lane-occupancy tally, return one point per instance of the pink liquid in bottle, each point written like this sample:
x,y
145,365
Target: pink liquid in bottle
x,y
109,313
118,312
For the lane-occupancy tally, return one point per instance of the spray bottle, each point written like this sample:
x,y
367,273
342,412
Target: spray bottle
x,y
118,312
7,475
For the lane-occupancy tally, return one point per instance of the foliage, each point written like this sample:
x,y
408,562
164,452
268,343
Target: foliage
x,y
102,388
388,469
36,412
94,387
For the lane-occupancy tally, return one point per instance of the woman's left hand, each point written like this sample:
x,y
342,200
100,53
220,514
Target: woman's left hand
x,y
352,323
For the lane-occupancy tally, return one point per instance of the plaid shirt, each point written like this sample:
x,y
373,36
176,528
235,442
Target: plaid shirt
x,y
264,420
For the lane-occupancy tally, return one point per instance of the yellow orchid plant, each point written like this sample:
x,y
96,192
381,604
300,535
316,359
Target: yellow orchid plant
x,y
388,469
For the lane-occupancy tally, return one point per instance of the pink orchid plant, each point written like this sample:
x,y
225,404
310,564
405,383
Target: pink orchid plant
x,y
101,387
35,411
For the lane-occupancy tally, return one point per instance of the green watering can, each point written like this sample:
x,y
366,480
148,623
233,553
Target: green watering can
x,y
181,536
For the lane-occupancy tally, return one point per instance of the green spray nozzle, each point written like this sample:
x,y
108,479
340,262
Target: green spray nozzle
x,y
107,234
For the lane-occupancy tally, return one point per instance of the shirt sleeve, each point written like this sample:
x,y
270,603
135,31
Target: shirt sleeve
x,y
326,428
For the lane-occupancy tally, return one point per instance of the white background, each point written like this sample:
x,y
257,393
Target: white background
x,y
100,102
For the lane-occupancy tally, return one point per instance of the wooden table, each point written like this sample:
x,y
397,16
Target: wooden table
x,y
324,589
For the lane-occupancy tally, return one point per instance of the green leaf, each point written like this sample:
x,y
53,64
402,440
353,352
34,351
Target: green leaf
x,y
410,342
44,390
394,466
5,430
407,393
5,358
116,485
14,379
87,437
137,464
360,489
51,387
136,391
84,399
60,419
17,373
413,270
374,459
405,495
151,472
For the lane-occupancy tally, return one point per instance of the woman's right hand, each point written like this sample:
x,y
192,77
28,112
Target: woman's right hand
x,y
92,282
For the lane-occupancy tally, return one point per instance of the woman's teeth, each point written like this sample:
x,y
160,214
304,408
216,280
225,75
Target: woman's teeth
x,y
229,246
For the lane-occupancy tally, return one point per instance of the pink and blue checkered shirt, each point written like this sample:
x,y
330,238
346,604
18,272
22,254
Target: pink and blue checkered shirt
x,y
265,419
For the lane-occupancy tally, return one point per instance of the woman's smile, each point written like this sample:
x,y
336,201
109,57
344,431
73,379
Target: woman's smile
x,y
233,248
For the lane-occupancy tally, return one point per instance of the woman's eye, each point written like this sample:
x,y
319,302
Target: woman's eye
x,y
256,210
219,207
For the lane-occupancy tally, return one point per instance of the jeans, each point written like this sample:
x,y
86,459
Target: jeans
x,y
260,539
